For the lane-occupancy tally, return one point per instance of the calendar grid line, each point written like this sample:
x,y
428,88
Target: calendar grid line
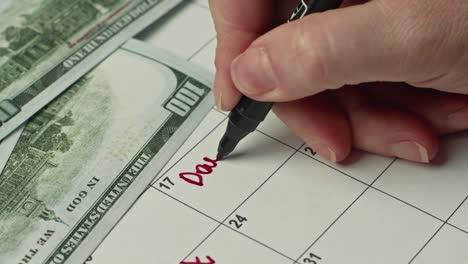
x,y
201,48
425,244
277,140
343,213
334,168
407,203
242,203
219,111
458,228
227,226
375,188
259,242
201,242
438,230
185,204
456,209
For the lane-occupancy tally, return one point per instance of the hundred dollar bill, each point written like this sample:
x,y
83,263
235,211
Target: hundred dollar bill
x,y
83,160
46,45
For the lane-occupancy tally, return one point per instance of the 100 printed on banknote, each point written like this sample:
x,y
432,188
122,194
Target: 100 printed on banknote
x,y
46,45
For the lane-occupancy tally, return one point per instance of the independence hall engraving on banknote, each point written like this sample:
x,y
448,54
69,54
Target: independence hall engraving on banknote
x,y
34,155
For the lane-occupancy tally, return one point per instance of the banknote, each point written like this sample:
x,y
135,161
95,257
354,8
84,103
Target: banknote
x,y
46,45
7,147
81,162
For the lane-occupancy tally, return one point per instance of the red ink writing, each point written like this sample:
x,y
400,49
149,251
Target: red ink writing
x,y
197,177
198,261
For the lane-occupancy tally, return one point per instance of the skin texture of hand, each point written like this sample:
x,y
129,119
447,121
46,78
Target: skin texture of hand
x,y
384,76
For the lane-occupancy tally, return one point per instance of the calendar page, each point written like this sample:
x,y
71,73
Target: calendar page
x,y
274,201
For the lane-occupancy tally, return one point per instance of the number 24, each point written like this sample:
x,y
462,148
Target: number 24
x,y
238,222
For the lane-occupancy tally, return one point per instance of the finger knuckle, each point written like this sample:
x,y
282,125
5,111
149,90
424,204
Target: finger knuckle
x,y
312,48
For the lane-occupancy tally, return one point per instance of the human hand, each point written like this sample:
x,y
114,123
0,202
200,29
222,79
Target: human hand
x,y
350,77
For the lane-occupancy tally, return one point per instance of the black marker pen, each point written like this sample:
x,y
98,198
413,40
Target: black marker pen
x,y
248,113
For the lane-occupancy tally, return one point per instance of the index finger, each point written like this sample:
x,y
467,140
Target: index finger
x,y
238,23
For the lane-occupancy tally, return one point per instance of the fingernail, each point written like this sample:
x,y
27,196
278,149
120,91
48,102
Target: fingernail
x,y
459,119
218,92
219,100
410,150
325,151
252,72
332,155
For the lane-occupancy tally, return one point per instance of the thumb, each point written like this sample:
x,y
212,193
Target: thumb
x,y
322,51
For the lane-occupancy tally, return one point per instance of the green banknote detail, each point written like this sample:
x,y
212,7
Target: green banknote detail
x,y
43,40
94,134
41,154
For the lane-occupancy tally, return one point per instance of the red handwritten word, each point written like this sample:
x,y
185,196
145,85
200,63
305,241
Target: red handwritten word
x,y
198,261
196,178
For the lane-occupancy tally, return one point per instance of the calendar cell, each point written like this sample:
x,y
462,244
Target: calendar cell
x,y
217,188
376,229
173,231
438,188
297,204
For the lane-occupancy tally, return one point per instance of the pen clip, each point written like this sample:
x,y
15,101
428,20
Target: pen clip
x,y
300,11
